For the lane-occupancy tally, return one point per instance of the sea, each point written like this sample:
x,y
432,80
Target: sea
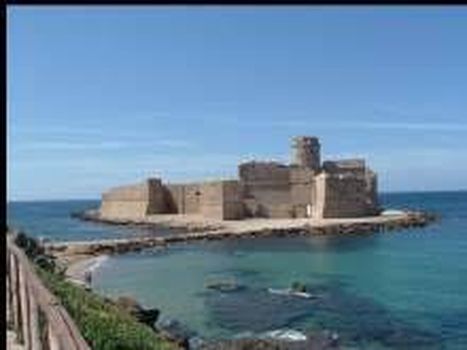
x,y
392,290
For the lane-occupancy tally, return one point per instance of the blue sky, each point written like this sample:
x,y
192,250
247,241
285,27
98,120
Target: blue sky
x,y
101,96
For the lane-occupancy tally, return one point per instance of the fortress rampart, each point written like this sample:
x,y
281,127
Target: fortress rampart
x,y
306,188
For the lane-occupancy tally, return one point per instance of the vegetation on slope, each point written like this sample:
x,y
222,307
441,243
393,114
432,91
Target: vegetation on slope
x,y
102,323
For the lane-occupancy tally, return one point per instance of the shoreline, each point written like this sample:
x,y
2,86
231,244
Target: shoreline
x,y
196,228
82,258
277,336
80,269
78,257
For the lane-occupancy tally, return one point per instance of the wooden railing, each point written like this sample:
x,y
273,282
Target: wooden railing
x,y
33,312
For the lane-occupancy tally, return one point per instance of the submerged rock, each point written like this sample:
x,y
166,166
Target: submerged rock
x,y
278,340
225,286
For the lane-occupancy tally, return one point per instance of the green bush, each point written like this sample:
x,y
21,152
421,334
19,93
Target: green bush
x,y
30,245
35,252
102,324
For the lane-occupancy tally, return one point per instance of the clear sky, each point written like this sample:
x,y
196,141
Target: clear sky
x,y
102,96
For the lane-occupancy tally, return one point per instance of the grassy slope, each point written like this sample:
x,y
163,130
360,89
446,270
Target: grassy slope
x,y
103,325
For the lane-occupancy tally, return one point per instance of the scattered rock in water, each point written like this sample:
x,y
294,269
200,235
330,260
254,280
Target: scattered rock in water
x,y
132,307
225,286
256,310
175,332
353,320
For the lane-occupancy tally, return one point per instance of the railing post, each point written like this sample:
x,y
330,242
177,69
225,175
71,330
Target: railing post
x,y
23,289
34,324
8,289
14,295
53,340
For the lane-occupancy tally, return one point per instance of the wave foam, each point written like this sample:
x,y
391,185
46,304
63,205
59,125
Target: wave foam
x,y
97,262
286,334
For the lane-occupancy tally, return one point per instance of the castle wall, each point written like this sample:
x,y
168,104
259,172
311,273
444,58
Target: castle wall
x,y
124,202
157,203
319,195
302,191
184,198
221,200
174,194
372,192
266,189
133,200
217,199
212,206
342,195
193,198
123,209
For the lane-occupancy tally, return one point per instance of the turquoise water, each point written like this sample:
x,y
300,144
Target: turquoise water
x,y
404,290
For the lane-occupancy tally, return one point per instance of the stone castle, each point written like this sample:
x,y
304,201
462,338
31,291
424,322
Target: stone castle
x,y
307,188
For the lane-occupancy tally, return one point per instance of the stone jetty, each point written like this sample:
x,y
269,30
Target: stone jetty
x,y
200,229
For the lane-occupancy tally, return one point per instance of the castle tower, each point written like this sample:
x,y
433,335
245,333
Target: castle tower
x,y
307,152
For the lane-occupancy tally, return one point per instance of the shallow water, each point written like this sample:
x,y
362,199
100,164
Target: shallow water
x,y
404,290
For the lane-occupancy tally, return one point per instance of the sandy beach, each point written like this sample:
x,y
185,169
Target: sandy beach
x,y
79,267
